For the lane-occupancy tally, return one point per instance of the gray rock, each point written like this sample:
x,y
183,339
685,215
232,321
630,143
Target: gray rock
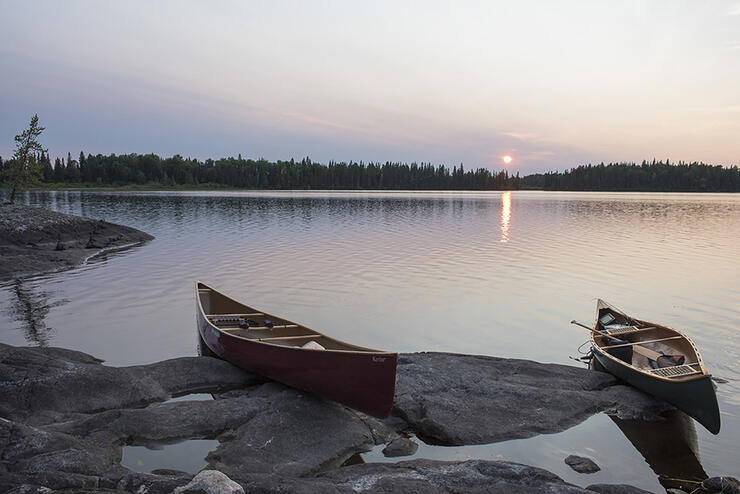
x,y
427,476
210,482
312,435
153,483
67,415
29,489
581,464
724,485
34,239
400,446
43,385
452,400
32,456
616,489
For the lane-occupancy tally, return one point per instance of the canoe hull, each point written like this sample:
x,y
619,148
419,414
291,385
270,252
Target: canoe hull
x,y
696,397
364,381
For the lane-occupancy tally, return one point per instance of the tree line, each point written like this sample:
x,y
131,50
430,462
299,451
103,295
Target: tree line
x,y
656,176
150,169
31,164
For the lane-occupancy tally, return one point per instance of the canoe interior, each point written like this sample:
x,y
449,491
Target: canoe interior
x,y
671,342
227,315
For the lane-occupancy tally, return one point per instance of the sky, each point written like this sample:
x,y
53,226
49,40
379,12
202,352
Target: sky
x,y
551,84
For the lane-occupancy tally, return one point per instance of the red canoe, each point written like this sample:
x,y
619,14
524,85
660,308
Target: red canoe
x,y
361,378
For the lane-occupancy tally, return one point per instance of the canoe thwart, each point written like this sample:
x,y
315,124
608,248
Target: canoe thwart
x,y
643,342
277,326
302,337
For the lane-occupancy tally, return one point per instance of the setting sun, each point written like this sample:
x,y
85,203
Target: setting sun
x,y
507,159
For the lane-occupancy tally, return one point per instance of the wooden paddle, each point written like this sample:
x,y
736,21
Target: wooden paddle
x,y
651,354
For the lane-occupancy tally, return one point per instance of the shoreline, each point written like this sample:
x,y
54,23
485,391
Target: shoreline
x,y
65,418
218,188
37,240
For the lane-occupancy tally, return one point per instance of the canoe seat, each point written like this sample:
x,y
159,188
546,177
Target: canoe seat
x,y
628,330
277,326
677,371
221,316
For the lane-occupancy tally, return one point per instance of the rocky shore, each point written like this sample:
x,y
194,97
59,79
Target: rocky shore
x,y
34,240
64,418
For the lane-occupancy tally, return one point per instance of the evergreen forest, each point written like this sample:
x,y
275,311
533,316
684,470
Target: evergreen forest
x,y
646,177
153,171
150,169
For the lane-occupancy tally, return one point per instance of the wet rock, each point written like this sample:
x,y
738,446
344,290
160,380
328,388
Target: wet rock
x,y
616,489
312,435
401,446
153,483
210,482
34,240
29,489
724,485
32,456
66,416
581,464
452,400
43,385
428,476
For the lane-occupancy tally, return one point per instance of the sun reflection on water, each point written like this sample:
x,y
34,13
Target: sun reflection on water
x,y
505,215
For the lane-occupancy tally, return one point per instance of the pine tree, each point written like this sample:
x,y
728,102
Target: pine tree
x,y
59,170
23,169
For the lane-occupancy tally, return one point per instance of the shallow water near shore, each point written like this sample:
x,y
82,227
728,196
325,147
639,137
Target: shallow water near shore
x,y
480,273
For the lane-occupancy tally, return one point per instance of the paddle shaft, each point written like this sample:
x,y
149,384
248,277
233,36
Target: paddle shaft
x,y
651,354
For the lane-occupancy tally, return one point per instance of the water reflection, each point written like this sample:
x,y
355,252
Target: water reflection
x,y
29,307
505,215
669,446
187,456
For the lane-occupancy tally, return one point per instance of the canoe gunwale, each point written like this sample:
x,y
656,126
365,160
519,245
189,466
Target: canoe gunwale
x,y
358,349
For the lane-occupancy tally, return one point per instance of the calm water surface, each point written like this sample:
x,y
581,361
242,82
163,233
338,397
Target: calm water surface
x,y
483,273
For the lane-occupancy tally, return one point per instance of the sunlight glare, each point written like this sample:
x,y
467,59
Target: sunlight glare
x,y
505,215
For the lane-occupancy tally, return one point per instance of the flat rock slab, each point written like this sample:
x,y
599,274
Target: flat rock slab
x,y
420,477
428,476
65,417
616,489
452,400
34,240
46,385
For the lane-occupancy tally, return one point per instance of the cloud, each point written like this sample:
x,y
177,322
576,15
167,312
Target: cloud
x,y
522,136
734,10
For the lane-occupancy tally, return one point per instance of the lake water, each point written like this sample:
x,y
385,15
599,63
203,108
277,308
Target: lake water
x,y
478,272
